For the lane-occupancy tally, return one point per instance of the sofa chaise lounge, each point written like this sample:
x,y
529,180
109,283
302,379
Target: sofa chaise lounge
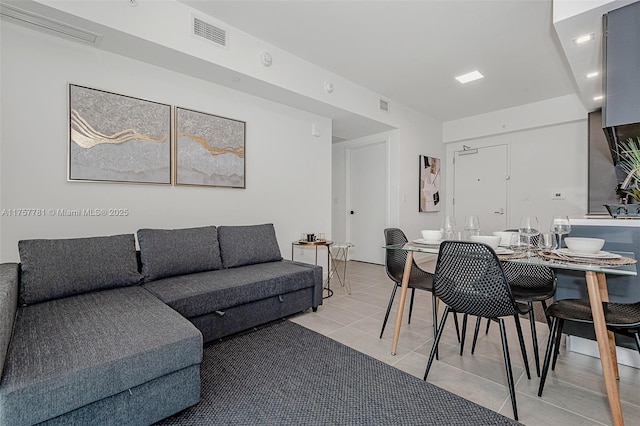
x,y
94,332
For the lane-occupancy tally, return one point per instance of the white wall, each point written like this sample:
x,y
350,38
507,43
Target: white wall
x,y
170,36
286,167
547,153
417,135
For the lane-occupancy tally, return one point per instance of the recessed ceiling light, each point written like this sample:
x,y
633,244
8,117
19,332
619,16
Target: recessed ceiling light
x,y
470,76
598,98
592,74
584,38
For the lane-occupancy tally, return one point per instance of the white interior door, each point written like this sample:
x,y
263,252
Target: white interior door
x,y
367,201
480,187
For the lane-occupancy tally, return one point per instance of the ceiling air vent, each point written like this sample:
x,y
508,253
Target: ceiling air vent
x,y
48,25
209,32
384,105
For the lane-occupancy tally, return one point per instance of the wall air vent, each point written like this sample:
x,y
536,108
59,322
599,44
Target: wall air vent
x,y
384,105
48,25
209,32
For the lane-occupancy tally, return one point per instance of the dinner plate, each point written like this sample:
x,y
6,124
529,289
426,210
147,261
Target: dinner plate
x,y
429,243
503,250
599,255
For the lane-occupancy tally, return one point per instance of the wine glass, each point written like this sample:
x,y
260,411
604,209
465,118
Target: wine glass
x,y
547,241
449,227
529,227
560,226
518,242
472,225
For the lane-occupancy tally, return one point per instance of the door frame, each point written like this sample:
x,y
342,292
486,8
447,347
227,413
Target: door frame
x,y
349,148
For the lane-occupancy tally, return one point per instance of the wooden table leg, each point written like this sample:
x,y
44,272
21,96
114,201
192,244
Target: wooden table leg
x,y
596,284
604,296
403,296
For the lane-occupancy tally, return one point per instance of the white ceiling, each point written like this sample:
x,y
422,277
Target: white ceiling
x,y
410,51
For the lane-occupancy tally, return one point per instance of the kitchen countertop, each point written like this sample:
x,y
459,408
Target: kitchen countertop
x,y
604,220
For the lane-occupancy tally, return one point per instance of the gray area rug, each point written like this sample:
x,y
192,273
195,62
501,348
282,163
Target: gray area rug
x,y
285,374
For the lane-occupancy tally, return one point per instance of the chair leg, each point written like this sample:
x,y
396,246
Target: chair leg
x,y
464,332
435,317
637,336
534,337
386,317
557,344
522,348
413,294
544,306
475,334
434,348
455,320
507,363
488,324
547,356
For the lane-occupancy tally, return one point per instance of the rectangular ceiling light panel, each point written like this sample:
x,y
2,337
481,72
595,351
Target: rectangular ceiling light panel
x,y
470,76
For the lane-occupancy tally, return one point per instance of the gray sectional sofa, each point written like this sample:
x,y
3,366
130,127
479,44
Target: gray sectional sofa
x,y
94,332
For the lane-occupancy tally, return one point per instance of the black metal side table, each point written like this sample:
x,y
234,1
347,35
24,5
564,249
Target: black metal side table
x,y
321,243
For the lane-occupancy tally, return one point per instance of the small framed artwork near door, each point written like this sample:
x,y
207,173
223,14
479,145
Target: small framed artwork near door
x,y
429,198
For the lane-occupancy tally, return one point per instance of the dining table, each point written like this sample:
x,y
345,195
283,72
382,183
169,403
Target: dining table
x,y
595,270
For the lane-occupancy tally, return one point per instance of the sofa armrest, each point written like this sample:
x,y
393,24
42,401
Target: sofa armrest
x,y
319,281
9,273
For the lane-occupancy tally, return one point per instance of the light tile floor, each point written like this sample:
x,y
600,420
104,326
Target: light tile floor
x,y
574,393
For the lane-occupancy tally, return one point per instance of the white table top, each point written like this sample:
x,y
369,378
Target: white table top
x,y
535,260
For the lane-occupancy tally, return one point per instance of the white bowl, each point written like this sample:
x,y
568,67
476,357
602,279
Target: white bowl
x,y
505,237
431,235
491,240
584,245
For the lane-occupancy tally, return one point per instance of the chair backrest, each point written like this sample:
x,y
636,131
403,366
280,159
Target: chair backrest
x,y
470,279
394,260
529,276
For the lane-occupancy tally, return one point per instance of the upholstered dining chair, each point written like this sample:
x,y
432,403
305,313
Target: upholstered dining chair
x,y
470,280
419,278
529,283
621,318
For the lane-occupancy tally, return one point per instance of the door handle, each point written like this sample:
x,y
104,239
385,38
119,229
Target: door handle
x,y
501,211
351,212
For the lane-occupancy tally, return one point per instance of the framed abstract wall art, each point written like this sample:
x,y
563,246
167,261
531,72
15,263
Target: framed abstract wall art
x,y
429,199
118,138
210,150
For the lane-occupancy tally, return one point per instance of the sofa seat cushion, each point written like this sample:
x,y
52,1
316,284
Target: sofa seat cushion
x,y
206,292
171,252
70,352
52,269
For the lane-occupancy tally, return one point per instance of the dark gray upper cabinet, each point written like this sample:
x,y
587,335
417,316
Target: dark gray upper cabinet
x,y
622,66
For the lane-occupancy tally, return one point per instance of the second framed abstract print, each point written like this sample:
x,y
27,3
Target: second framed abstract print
x,y
210,150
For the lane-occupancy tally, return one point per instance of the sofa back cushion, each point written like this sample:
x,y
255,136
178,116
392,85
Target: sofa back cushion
x,y
52,269
247,245
170,252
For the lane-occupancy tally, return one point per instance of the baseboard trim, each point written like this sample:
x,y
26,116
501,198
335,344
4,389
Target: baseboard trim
x,y
589,347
